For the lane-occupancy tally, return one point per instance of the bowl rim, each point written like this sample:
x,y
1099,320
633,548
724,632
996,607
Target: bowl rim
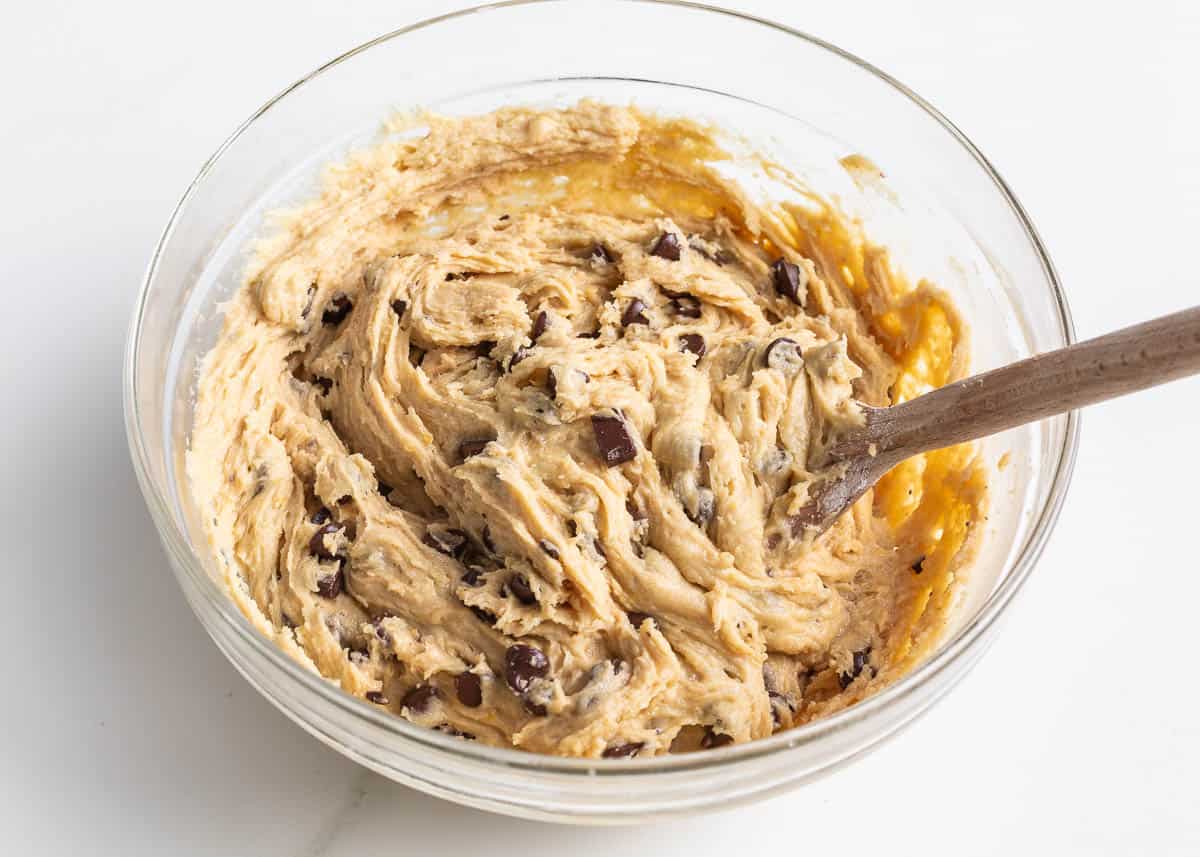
x,y
186,561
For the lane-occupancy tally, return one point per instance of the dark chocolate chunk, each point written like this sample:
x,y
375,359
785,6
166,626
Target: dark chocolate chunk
x,y
337,310
623,751
320,516
783,354
483,615
788,280
399,306
614,439
633,313
444,540
484,349
331,585
519,586
522,664
712,740
918,566
667,247
447,729
419,698
540,323
326,384
376,697
468,448
317,546
694,343
602,254
636,618
469,689
518,355
473,576
686,306
860,660
548,548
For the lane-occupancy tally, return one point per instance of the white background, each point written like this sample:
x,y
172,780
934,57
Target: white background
x,y
124,731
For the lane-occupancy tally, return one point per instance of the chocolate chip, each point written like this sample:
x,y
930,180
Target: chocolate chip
x,y
712,740
623,751
419,698
633,313
918,566
503,217
399,306
451,542
469,689
519,586
548,548
686,306
636,618
326,384
484,349
666,247
856,667
601,254
518,355
539,325
773,541
483,615
316,544
522,664
469,448
337,310
320,516
331,585
783,354
694,343
594,334
447,729
614,439
376,697
788,280
473,576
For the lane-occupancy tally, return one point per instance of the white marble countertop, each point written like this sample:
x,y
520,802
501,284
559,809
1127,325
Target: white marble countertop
x,y
125,732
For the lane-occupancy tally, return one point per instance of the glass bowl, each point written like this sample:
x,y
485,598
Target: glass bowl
x,y
945,212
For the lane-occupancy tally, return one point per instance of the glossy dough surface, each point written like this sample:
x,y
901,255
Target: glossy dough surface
x,y
506,429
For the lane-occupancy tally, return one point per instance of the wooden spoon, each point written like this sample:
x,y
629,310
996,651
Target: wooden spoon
x,y
1126,361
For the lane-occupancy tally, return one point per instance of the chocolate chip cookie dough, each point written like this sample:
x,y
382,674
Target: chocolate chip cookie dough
x,y
507,432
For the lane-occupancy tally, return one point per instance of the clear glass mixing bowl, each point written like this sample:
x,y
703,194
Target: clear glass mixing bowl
x,y
947,214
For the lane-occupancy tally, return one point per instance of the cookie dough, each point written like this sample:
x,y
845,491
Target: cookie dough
x,y
506,430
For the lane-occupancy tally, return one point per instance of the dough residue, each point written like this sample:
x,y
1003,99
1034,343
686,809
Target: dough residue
x,y
506,431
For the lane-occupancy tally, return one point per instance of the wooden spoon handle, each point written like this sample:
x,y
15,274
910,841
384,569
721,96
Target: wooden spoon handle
x,y
1128,360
